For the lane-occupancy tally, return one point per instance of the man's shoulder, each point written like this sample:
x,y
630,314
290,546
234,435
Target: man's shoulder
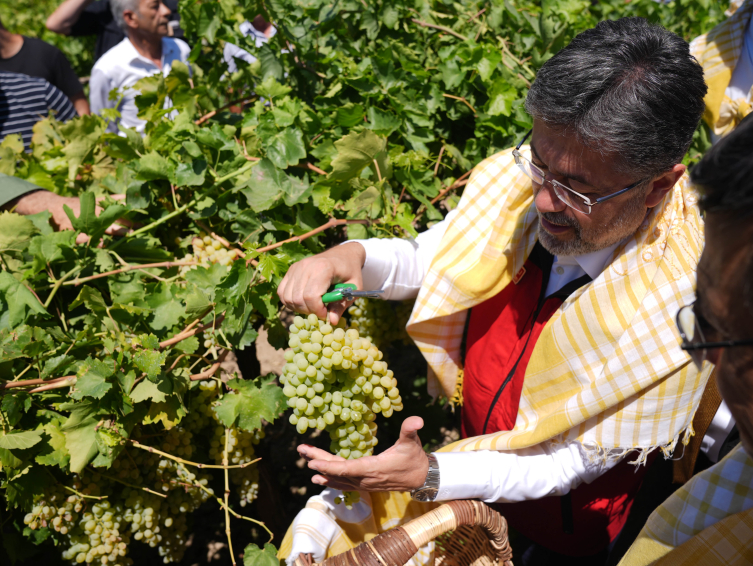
x,y
117,56
39,47
10,80
178,46
495,165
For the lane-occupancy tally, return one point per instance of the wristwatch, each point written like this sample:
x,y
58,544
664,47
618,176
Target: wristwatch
x,y
428,491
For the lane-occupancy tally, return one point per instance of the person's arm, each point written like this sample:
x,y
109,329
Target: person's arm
x,y
59,103
530,473
398,266
67,14
99,91
12,188
80,104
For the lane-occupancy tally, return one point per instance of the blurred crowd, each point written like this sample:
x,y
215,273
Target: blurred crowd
x,y
134,39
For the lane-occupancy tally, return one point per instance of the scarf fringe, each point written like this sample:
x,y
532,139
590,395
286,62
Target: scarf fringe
x,y
597,454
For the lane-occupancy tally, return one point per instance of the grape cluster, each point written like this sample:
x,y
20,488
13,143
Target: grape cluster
x,y
335,381
207,251
382,321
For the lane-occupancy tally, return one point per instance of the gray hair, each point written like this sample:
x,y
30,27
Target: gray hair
x,y
625,88
118,7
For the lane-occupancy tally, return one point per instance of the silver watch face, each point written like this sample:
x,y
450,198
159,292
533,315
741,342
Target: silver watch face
x,y
425,494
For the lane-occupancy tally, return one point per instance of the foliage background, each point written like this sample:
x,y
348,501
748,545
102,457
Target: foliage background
x,y
372,112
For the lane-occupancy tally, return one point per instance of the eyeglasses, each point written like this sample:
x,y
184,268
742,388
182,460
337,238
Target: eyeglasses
x,y
571,198
693,340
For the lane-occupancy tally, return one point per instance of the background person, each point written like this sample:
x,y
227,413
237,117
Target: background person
x,y
560,264
25,100
145,51
34,57
726,55
709,521
85,17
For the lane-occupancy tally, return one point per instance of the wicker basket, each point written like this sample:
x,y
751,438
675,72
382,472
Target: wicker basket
x,y
465,532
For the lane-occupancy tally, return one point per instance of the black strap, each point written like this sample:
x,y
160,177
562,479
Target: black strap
x,y
566,505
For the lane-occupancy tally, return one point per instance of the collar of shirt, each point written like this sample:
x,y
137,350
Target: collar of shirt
x,y
168,49
592,264
248,29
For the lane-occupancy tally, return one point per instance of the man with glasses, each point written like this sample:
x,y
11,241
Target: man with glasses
x,y
545,301
709,521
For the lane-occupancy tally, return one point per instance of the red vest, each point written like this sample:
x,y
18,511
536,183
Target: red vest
x,y
502,332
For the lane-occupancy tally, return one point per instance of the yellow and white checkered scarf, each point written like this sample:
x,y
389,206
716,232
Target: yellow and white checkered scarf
x,y
707,522
718,51
607,370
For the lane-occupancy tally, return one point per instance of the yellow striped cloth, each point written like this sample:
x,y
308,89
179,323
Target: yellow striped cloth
x,y
607,369
718,51
708,521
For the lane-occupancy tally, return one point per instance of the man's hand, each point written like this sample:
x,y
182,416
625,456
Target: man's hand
x,y
403,467
39,201
307,280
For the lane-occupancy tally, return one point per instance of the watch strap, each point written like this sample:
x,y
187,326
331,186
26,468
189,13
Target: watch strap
x,y
430,489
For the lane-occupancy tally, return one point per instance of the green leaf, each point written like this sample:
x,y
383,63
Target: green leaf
x,y
81,435
150,362
88,222
270,88
54,452
369,201
153,166
15,232
249,404
150,390
349,115
19,299
354,152
190,174
20,440
286,148
168,309
92,299
382,123
15,406
501,97
255,556
265,187
92,379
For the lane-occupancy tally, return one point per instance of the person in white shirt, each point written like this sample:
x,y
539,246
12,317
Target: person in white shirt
x,y
146,50
260,30
613,114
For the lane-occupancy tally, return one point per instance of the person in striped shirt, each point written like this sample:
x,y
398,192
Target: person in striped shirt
x,y
25,100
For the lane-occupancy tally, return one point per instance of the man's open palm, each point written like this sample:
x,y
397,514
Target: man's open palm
x,y
402,467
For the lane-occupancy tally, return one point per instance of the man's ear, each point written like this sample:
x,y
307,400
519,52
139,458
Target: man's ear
x,y
129,17
663,184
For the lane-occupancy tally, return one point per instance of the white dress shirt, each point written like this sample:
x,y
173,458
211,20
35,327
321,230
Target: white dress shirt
x,y
233,52
120,68
399,266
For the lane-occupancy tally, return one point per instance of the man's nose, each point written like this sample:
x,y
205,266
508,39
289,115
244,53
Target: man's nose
x,y
546,200
165,10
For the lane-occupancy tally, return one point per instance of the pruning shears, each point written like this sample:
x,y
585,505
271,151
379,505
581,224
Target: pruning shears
x,y
347,292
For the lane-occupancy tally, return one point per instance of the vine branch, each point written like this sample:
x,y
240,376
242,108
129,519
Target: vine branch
x,y
440,28
137,444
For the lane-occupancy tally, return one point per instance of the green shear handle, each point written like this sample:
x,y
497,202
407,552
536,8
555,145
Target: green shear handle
x,y
347,292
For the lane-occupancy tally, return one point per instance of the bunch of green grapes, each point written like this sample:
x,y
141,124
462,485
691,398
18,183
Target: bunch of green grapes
x,y
382,321
207,251
335,381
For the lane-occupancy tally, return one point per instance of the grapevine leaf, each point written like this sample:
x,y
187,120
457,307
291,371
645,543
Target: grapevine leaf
x,y
153,166
255,556
150,390
92,299
88,222
21,489
15,406
150,362
92,379
197,303
169,412
168,310
20,440
286,148
8,459
249,404
15,232
354,152
18,298
382,123
270,88
54,453
190,174
265,187
80,432
187,346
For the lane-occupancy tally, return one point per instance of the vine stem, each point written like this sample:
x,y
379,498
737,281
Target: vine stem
x,y
304,165
137,444
463,100
58,383
227,496
59,283
333,222
162,495
213,113
165,264
189,331
439,160
98,498
30,382
209,373
222,504
440,28
456,185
